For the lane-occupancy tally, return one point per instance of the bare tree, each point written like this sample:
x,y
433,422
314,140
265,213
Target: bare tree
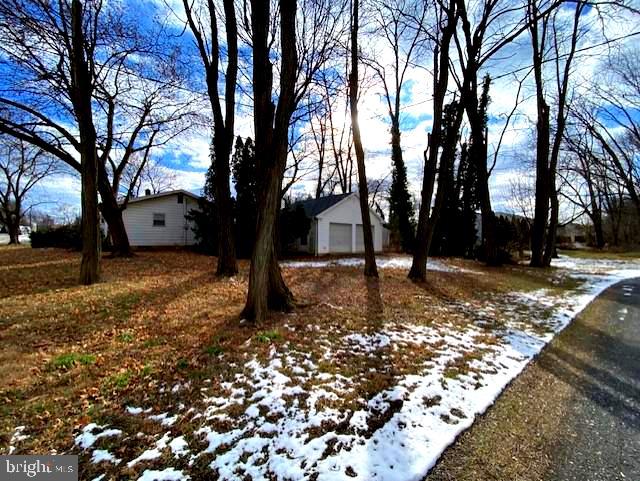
x,y
610,117
340,138
583,173
134,105
400,25
42,84
144,173
544,27
267,289
315,32
203,22
22,166
486,28
370,268
447,21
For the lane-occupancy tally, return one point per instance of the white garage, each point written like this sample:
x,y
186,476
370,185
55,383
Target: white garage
x,y
336,226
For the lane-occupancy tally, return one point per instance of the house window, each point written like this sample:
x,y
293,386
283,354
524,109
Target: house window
x,y
158,220
180,198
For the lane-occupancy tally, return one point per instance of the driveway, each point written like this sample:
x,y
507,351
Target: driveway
x,y
574,415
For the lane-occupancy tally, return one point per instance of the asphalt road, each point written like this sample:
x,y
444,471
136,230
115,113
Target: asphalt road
x,y
573,415
601,427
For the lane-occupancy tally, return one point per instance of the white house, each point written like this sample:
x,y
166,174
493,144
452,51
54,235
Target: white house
x,y
159,219
336,226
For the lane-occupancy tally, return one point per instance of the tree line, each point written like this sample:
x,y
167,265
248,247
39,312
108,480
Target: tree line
x,y
91,85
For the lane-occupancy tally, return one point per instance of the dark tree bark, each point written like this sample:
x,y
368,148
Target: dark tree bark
x,y
223,125
545,225
478,154
112,213
476,116
82,90
267,289
479,44
401,207
370,268
543,171
445,170
418,271
13,226
563,89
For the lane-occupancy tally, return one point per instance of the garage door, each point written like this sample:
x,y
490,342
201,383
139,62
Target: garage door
x,y
339,237
360,237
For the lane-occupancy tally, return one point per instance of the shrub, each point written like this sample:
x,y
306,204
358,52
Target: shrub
x,y
66,236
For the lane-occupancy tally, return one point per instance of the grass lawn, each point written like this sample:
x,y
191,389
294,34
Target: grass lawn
x,y
603,254
160,334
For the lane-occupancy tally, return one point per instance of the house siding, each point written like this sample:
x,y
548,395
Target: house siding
x,y
345,212
177,231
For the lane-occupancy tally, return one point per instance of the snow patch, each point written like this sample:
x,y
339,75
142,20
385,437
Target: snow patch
x,y
92,432
169,474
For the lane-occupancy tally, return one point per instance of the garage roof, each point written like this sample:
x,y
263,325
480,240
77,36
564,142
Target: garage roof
x,y
313,207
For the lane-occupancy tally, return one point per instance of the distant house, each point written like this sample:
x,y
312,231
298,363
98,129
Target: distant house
x,y
572,233
336,226
159,219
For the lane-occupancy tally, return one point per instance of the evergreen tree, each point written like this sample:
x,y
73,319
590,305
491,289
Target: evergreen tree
x,y
401,216
243,165
469,204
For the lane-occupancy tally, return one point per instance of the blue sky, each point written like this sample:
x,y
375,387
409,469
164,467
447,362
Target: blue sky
x,y
188,155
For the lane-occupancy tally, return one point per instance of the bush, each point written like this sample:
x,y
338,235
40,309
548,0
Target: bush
x,y
205,227
66,236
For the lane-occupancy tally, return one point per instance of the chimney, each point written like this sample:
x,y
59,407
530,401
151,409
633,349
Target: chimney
x,y
147,191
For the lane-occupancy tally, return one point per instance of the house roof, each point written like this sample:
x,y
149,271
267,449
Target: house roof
x,y
162,194
313,207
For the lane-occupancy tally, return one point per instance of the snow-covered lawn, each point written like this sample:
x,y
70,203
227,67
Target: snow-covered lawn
x,y
23,238
393,262
374,403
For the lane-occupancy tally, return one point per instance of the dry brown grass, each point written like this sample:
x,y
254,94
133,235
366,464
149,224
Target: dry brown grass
x,y
71,354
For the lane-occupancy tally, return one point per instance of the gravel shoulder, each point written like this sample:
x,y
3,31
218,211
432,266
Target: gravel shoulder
x,y
573,414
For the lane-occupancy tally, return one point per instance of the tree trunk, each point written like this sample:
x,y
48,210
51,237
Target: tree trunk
x,y
478,155
400,200
490,240
82,90
370,268
224,134
267,289
550,244
543,190
418,271
596,218
112,214
543,171
445,174
227,265
13,226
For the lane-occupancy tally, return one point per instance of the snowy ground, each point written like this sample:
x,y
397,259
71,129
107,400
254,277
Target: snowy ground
x,y
301,413
4,239
395,262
